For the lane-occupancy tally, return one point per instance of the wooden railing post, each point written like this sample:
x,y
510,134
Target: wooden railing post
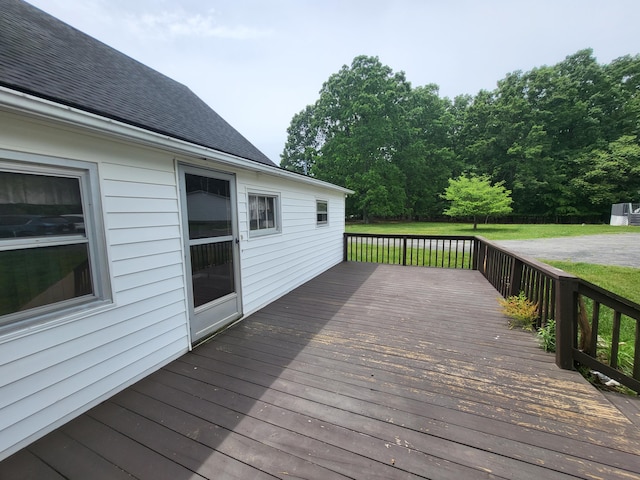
x,y
565,317
345,244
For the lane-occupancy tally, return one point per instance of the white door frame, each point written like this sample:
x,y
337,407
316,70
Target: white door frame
x,y
206,319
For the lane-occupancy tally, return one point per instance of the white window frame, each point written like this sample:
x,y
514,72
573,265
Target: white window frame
x,y
322,223
94,238
277,220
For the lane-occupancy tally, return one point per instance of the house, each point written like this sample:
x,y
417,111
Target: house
x,y
134,223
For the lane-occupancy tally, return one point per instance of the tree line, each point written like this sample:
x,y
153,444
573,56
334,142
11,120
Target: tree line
x,y
564,139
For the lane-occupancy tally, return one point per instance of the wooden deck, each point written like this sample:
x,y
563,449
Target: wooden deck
x,y
368,372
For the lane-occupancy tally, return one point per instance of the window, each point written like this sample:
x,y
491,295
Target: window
x,y
264,215
322,212
49,258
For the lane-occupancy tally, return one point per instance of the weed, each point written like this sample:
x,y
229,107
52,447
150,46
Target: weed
x,y
547,336
522,311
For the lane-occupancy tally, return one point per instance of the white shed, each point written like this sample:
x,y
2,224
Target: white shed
x,y
625,214
134,223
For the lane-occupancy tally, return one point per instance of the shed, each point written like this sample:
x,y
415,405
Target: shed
x,y
134,223
625,214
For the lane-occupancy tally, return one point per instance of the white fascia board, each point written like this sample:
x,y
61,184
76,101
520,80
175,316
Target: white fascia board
x,y
24,103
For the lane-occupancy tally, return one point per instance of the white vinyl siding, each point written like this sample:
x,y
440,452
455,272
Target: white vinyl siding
x,y
54,372
85,357
275,265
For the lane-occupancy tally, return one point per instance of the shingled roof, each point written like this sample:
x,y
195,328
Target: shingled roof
x,y
44,57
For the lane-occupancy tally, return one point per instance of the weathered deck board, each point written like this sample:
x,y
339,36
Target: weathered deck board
x,y
368,371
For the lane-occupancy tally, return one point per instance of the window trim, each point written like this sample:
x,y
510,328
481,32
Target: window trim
x,y
94,237
322,223
276,214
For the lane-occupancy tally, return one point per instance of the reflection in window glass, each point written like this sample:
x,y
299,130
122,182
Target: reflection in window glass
x,y
209,206
35,277
44,249
322,212
211,271
39,205
262,212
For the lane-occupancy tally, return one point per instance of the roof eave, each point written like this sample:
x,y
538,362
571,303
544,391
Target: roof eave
x,y
38,107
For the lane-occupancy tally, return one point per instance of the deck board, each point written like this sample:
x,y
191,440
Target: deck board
x,y
368,371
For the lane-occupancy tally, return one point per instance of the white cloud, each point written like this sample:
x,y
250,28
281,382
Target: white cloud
x,y
179,23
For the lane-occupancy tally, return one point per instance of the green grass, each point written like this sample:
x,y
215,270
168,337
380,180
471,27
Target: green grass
x,y
489,231
624,281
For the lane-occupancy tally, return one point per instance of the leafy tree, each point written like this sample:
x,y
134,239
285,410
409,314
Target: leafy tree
x,y
610,175
303,143
474,196
425,155
562,138
351,136
371,132
540,130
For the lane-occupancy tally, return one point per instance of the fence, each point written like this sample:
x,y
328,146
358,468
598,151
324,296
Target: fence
x,y
579,308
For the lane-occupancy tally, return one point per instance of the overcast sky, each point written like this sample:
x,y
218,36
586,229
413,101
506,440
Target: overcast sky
x,y
259,62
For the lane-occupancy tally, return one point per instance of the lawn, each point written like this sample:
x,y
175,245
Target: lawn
x,y
489,231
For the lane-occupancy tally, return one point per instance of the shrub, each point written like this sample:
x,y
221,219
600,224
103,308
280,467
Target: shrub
x,y
522,311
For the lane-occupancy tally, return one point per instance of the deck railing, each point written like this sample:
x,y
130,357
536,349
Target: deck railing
x,y
577,306
418,250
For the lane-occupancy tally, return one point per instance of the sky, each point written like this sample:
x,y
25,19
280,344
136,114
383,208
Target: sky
x,y
259,62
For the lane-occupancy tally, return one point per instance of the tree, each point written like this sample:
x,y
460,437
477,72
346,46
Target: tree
x,y
539,131
303,143
425,154
473,196
563,139
371,132
610,175
352,134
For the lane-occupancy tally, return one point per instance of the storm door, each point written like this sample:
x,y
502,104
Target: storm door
x,y
209,202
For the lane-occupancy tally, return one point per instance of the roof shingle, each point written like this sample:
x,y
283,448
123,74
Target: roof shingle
x,y
44,57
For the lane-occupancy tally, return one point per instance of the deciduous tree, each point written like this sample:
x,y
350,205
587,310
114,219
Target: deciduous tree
x,y
474,196
371,132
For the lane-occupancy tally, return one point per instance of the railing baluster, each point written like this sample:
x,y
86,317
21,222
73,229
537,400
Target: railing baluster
x,y
595,319
430,250
456,257
636,356
615,340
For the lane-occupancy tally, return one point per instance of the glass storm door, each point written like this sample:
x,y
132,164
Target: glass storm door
x,y
208,200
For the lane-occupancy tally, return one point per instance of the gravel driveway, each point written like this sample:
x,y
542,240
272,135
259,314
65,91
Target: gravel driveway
x,y
618,249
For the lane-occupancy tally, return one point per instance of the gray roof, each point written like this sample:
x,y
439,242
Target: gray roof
x,y
47,58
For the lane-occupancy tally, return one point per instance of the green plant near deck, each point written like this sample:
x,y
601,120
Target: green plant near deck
x,y
522,311
547,336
